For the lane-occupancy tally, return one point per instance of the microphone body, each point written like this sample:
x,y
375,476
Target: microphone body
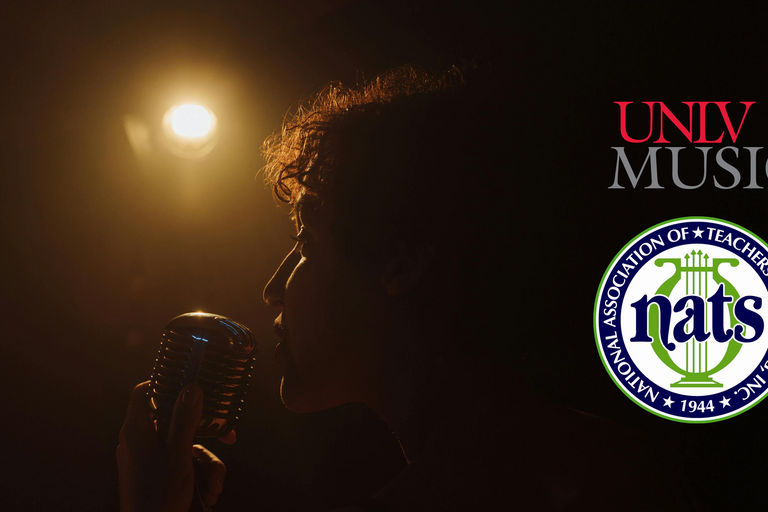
x,y
213,351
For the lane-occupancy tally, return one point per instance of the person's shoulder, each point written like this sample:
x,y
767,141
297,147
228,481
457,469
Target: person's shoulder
x,y
602,465
582,433
549,458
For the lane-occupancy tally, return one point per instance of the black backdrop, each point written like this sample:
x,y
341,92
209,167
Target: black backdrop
x,y
102,243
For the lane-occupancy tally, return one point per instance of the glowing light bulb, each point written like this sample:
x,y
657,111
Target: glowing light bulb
x,y
191,121
190,131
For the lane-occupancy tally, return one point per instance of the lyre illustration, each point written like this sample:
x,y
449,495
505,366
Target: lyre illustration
x,y
701,276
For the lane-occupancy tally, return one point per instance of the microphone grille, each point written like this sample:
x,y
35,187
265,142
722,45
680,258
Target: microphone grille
x,y
213,351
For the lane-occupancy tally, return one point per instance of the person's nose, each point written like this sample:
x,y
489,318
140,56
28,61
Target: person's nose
x,y
274,292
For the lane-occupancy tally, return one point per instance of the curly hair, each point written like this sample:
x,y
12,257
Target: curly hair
x,y
300,159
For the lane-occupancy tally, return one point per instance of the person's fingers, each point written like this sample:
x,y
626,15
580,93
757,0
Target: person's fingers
x,y
138,428
228,438
211,472
161,431
186,417
210,499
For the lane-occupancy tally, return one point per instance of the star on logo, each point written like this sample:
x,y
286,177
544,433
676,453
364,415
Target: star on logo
x,y
698,231
726,402
668,402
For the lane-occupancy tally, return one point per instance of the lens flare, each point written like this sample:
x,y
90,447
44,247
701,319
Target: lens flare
x,y
191,121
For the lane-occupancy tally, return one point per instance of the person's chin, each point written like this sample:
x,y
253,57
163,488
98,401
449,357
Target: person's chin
x,y
292,395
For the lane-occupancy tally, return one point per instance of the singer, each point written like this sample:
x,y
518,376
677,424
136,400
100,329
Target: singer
x,y
418,285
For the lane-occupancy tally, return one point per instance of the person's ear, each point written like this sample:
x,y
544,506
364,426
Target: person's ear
x,y
405,269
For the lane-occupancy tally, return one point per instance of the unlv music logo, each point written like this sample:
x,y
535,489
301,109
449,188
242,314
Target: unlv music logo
x,y
680,320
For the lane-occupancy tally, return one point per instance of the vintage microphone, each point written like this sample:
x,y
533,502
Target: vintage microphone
x,y
212,351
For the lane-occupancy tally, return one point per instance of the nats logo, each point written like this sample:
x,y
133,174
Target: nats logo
x,y
680,320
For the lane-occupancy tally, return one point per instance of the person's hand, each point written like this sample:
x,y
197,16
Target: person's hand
x,y
156,468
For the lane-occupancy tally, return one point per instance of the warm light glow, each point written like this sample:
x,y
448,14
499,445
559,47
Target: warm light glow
x,y
191,121
191,131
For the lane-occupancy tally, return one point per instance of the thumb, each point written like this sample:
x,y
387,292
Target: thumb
x,y
186,417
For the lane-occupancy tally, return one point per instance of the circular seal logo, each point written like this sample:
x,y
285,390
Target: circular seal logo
x,y
680,320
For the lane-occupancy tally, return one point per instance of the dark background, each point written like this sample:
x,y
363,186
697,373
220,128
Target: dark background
x,y
102,244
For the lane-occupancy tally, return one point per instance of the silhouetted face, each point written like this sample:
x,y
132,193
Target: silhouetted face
x,y
329,318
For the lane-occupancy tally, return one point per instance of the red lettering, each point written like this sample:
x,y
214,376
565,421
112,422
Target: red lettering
x,y
686,131
703,127
665,112
728,124
623,120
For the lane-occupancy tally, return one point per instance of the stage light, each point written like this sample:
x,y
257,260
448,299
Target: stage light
x,y
191,121
190,130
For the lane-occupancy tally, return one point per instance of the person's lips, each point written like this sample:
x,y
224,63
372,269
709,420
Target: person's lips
x,y
282,349
278,327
